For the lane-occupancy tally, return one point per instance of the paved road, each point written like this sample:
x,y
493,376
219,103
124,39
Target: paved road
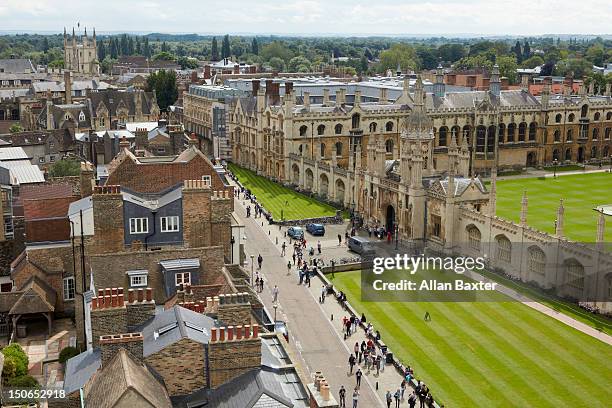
x,y
312,335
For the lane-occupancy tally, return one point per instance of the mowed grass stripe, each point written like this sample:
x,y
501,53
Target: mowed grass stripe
x,y
279,199
518,345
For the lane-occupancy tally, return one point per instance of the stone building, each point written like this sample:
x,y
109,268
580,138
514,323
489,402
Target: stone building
x,y
81,54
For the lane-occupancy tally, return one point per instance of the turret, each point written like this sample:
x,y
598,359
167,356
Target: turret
x,y
439,87
494,83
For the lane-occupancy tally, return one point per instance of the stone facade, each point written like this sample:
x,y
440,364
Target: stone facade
x,y
80,54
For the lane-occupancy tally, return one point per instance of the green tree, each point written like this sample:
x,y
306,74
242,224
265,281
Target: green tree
x,y
507,67
363,65
277,64
275,49
299,64
214,51
101,51
532,62
15,128
164,84
19,360
451,52
67,353
45,44
163,56
576,67
187,62
518,51
146,48
254,46
225,47
595,54
526,50
65,167
399,54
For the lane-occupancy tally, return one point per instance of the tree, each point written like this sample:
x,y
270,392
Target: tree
x,y
113,49
214,51
507,67
146,48
45,44
299,64
254,46
275,49
577,67
363,65
138,46
399,54
225,47
15,128
428,56
595,54
451,52
65,168
67,353
526,50
163,56
517,51
187,62
19,360
101,51
277,64
164,84
532,62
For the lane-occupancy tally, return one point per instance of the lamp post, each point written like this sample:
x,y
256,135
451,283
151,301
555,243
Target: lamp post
x,y
275,306
555,163
232,241
252,260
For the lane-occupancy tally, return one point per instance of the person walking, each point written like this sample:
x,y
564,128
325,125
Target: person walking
x,y
356,350
288,267
378,362
275,294
397,398
261,284
412,400
358,375
351,362
283,248
342,395
319,247
403,388
388,398
355,397
323,293
339,239
259,260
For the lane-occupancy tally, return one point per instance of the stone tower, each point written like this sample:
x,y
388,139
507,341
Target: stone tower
x,y
81,54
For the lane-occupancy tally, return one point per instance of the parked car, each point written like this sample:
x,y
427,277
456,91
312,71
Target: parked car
x,y
316,229
281,327
359,245
295,232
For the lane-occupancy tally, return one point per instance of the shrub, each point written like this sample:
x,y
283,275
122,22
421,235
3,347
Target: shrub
x,y
67,353
15,353
24,381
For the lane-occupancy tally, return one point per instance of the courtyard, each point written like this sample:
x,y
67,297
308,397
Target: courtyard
x,y
580,193
501,354
281,201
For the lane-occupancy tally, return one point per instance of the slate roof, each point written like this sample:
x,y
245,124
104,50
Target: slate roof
x,y
172,325
16,65
256,388
462,184
12,153
26,174
80,368
124,374
454,100
113,99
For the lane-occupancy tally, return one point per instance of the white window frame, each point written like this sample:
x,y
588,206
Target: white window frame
x,y
139,225
182,279
169,223
138,278
69,293
207,180
41,159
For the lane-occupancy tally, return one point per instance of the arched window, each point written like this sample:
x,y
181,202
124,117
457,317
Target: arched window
x,y
571,117
597,116
594,152
558,118
607,133
569,135
491,138
557,135
504,248
322,150
532,131
355,121
511,132
501,129
466,134
568,154
584,110
574,273
609,116
389,126
442,136
338,148
536,263
481,135
389,146
456,132
473,237
556,154
372,127
301,149
303,130
338,129
522,131
595,133
320,129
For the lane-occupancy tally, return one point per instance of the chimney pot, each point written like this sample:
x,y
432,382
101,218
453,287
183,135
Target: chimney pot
x,y
120,300
130,295
100,292
107,301
230,333
255,330
221,333
94,303
114,300
247,331
140,295
120,291
238,332
114,291
213,334
149,294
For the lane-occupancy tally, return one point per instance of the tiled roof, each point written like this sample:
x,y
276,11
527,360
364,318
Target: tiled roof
x,y
121,375
37,297
47,207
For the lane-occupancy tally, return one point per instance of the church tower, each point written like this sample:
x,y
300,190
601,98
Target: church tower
x,y
81,55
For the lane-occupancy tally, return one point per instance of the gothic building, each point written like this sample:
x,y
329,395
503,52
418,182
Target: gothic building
x,y
80,54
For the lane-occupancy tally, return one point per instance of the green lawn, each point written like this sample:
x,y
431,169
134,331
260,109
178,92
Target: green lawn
x,y
491,354
279,200
581,193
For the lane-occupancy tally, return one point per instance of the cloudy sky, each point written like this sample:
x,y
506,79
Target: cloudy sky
x,y
359,17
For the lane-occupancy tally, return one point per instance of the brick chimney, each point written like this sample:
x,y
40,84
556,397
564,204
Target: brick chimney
x,y
140,306
108,219
207,72
232,351
67,87
320,396
112,343
141,138
234,309
255,84
108,314
288,88
86,179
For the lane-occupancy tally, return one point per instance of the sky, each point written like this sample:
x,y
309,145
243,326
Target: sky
x,y
312,17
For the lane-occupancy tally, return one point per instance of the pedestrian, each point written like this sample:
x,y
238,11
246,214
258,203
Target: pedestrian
x,y
259,260
351,362
283,247
257,283
339,239
355,397
356,349
323,292
342,394
319,247
293,256
378,360
397,398
389,398
275,294
288,267
412,400
307,282
369,232
346,237
352,321
403,388
261,284
358,375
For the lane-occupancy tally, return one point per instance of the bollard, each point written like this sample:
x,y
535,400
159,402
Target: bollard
x,y
269,234
376,385
262,223
332,317
276,240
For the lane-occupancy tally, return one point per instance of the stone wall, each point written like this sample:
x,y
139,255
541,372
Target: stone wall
x,y
234,309
233,351
181,365
108,314
111,344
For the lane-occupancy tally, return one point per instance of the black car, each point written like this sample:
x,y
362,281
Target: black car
x,y
316,229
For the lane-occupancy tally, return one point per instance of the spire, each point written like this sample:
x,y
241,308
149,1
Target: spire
x,y
418,92
85,31
494,83
559,224
524,209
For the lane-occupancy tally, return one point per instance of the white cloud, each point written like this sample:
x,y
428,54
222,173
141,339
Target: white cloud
x,y
487,17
